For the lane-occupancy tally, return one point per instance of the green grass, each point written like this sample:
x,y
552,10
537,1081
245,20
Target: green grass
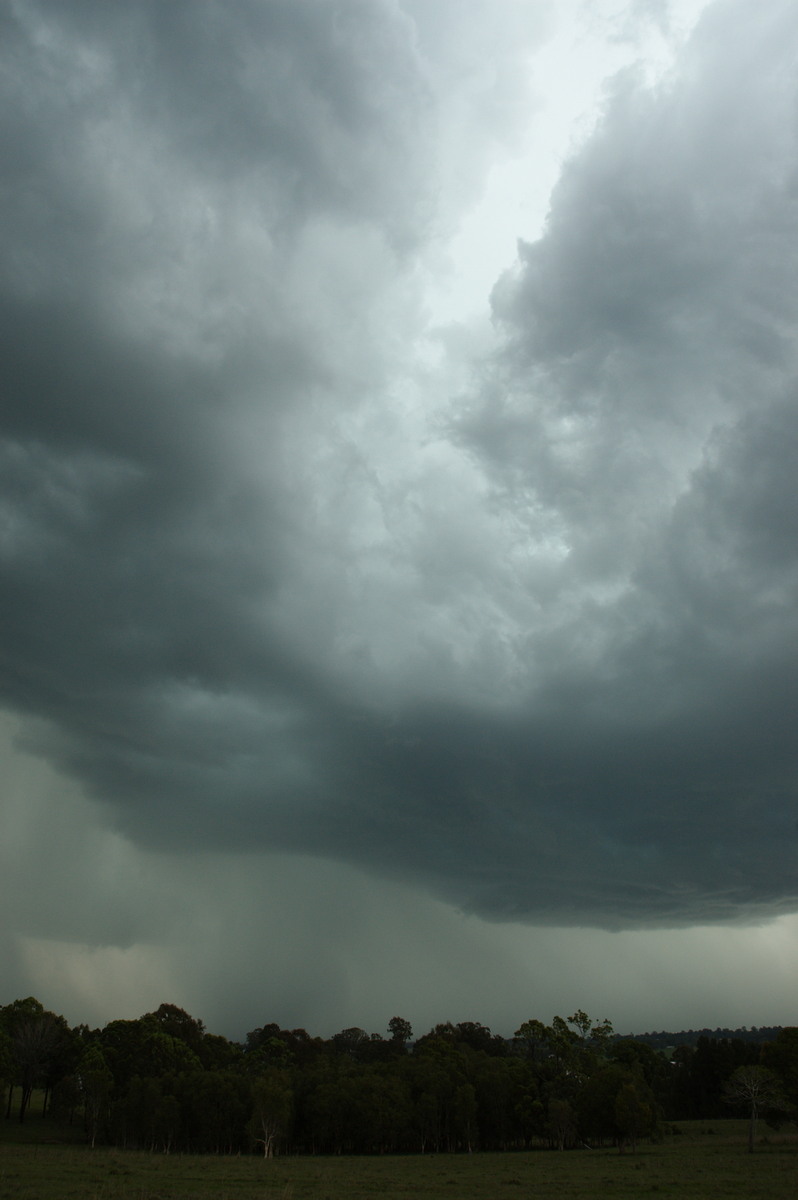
x,y
708,1161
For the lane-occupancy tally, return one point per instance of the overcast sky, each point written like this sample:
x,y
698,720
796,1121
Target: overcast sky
x,y
398,510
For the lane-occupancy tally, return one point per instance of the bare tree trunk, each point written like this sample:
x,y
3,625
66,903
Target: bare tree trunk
x,y
27,1092
752,1129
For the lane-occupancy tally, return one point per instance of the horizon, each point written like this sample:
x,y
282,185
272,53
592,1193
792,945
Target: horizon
x,y
416,1034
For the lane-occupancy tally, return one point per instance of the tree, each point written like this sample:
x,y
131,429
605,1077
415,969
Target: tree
x,y
635,1113
464,1115
37,1038
401,1032
138,1112
757,1089
353,1042
217,1054
570,1049
702,1077
644,1062
95,1082
616,1104
561,1124
6,1063
330,1104
596,1032
502,1083
533,1036
781,1057
177,1023
121,1043
273,1102
162,1054
595,1104
214,1109
281,1047
479,1037
381,1111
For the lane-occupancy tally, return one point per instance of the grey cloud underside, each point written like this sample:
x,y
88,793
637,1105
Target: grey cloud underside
x,y
549,674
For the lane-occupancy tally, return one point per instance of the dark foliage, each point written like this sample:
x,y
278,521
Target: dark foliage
x,y
163,1083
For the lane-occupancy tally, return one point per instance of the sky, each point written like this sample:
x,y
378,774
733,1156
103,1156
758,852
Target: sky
x,y
398,517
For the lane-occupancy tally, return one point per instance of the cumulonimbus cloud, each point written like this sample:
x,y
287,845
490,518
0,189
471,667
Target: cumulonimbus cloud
x,y
532,645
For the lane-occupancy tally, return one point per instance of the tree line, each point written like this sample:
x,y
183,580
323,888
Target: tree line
x,y
163,1083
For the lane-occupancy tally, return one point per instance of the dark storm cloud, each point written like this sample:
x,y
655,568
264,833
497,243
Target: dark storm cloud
x,y
644,408
539,657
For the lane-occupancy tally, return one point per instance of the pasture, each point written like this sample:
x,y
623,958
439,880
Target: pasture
x,y
703,1161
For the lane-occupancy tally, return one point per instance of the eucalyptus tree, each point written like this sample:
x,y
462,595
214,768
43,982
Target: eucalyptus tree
x,y
38,1040
757,1090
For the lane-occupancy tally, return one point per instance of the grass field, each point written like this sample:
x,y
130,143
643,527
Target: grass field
x,y
707,1161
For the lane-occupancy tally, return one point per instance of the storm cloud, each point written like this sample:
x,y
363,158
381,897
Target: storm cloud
x,y
285,568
